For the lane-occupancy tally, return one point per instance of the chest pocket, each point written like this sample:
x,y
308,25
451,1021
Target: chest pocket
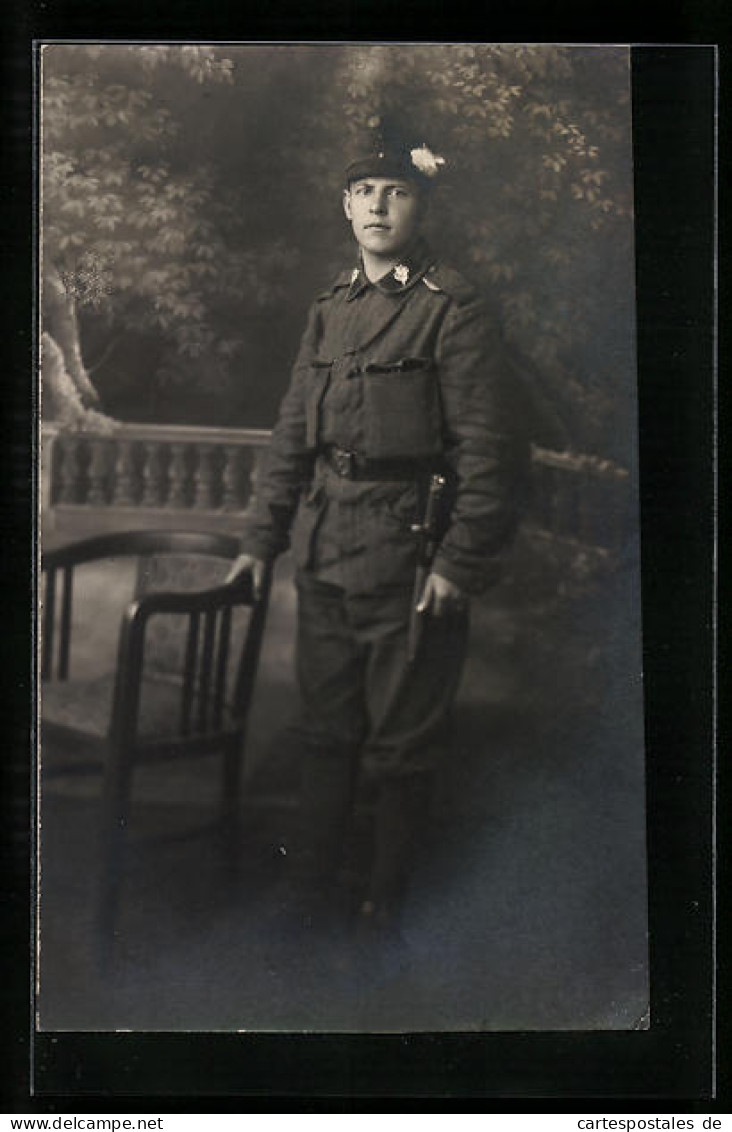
x,y
403,413
318,381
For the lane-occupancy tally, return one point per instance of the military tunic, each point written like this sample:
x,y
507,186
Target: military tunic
x,y
402,376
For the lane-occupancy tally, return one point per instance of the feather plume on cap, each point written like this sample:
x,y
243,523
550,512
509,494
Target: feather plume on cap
x,y
385,151
426,161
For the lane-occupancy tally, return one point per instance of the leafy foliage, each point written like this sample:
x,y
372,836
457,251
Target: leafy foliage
x,y
536,204
192,204
136,231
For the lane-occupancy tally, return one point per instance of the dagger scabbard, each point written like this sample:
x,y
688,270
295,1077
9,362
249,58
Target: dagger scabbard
x,y
426,532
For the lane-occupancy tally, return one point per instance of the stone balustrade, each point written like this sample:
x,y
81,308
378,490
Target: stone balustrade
x,y
144,475
580,498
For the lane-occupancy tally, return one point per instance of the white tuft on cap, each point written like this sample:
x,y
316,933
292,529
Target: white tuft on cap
x,y
427,162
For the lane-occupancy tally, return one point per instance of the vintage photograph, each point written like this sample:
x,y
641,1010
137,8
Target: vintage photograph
x,y
341,699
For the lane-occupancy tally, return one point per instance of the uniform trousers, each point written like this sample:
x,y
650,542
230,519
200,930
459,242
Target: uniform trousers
x,y
369,716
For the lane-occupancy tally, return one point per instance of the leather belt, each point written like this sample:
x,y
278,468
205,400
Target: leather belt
x,y
352,466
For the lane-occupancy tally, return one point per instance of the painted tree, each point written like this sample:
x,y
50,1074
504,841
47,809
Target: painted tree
x,y
191,208
133,226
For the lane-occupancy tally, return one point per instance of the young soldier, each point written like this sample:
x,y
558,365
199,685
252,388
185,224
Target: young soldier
x,y
397,378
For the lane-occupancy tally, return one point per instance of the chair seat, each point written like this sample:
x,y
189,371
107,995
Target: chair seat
x,y
85,706
184,631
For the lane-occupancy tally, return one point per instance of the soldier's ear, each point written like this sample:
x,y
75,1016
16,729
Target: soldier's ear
x,y
347,203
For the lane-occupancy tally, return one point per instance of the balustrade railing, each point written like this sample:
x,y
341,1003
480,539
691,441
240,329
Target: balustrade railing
x,y
580,498
148,475
143,475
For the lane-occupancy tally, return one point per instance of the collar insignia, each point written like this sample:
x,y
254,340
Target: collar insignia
x,y
399,279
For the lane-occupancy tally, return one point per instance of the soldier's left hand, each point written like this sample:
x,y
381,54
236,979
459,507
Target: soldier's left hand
x,y
441,596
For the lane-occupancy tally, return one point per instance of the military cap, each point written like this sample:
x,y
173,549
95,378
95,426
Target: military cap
x,y
384,150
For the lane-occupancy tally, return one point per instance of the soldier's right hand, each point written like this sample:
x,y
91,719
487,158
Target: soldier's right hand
x,y
248,564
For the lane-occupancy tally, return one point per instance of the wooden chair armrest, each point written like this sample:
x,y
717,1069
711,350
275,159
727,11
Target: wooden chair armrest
x,y
130,657
238,592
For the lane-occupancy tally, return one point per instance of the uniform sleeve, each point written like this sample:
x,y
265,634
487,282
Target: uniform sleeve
x,y
482,519
287,464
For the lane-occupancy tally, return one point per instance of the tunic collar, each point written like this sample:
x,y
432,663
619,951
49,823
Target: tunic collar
x,y
402,276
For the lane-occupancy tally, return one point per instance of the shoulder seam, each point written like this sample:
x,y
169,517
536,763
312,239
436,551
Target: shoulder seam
x,y
342,280
450,281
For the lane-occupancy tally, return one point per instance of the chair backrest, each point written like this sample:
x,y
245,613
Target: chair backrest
x,y
210,646
165,641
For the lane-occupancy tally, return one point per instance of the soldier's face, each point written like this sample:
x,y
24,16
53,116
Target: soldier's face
x,y
384,214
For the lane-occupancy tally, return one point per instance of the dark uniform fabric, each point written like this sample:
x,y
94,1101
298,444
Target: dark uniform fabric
x,y
393,380
359,692
394,371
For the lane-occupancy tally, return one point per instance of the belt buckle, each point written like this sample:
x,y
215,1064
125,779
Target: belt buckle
x,y
344,462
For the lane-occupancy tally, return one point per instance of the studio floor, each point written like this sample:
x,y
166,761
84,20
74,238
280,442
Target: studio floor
x,y
527,909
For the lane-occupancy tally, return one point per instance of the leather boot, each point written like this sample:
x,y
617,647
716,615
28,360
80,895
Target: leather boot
x,y
311,886
400,811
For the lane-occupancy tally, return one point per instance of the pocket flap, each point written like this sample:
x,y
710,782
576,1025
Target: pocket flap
x,y
403,365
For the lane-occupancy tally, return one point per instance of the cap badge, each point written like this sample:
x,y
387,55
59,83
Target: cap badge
x,y
427,162
401,273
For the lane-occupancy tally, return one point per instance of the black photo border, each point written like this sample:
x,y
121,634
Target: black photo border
x,y
674,1062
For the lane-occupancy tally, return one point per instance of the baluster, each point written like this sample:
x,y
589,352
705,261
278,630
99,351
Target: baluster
x,y
177,495
573,488
586,492
538,494
68,470
545,485
558,508
561,493
97,472
255,455
205,493
123,483
230,500
151,474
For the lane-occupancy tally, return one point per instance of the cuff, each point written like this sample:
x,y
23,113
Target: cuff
x,y
471,580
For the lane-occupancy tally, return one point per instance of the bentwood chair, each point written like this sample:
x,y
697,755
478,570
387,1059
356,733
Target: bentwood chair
x,y
187,658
